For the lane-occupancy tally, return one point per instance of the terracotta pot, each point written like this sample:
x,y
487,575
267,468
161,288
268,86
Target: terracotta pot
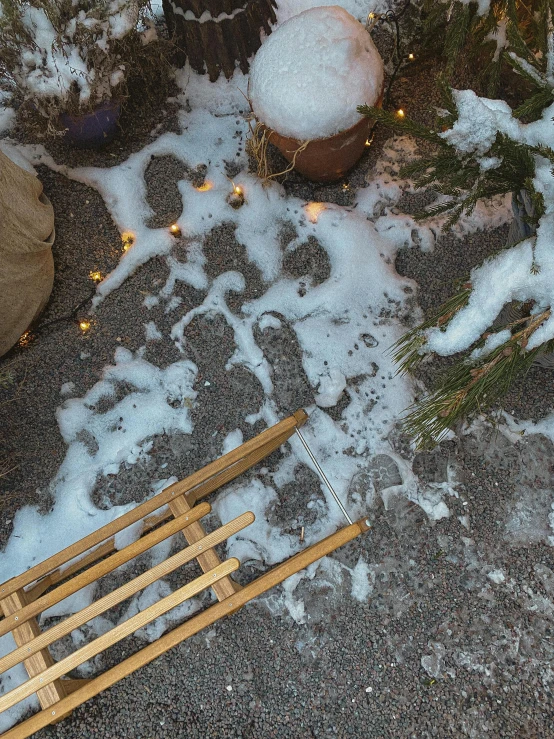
x,y
329,159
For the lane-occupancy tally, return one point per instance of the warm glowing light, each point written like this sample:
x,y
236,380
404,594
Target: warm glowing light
x,y
128,239
400,113
372,15
25,338
313,210
367,142
236,197
175,230
84,325
96,276
411,57
345,186
204,187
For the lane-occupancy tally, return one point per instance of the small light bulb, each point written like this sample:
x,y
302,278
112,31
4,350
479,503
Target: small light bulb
x,y
25,338
84,325
175,230
313,210
236,197
204,187
96,276
411,57
400,113
128,239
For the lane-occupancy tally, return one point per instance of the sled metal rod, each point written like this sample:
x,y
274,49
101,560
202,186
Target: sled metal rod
x,y
323,475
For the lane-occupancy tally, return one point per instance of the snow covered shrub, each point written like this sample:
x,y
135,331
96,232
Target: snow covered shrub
x,y
485,32
484,148
72,55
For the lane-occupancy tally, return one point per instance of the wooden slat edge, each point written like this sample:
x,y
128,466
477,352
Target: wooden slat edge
x,y
36,663
125,591
188,629
207,558
62,573
233,471
287,425
103,568
117,634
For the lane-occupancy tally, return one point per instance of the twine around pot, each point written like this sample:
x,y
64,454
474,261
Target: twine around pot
x,y
256,146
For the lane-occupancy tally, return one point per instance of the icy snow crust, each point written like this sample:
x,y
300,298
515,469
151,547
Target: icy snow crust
x,y
310,74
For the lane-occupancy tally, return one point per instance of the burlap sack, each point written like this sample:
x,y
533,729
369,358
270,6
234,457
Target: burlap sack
x,y
26,238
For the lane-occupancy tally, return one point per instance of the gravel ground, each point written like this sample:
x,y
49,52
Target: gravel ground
x,y
439,649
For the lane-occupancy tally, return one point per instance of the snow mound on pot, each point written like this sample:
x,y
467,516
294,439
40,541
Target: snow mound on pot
x,y
310,75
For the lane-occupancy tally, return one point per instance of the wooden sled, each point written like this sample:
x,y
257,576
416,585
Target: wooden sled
x,y
175,509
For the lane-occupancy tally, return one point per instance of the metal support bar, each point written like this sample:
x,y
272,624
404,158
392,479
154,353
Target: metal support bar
x,y
323,475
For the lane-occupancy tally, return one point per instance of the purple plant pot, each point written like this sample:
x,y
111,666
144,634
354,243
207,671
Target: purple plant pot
x,y
92,130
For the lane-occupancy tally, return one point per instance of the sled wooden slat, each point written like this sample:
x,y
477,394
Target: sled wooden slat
x,y
36,663
212,472
117,633
102,568
189,628
96,555
122,593
207,558
225,476
36,590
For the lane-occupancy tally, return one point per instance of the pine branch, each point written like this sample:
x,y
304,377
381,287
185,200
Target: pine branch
x,y
515,38
525,69
468,387
434,210
407,351
457,32
402,125
532,108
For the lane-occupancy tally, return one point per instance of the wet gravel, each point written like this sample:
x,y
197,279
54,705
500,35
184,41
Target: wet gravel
x,y
438,648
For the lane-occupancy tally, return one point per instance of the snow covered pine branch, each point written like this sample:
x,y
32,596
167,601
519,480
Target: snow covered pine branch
x,y
502,320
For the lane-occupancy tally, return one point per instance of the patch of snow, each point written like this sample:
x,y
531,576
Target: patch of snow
x,y
331,387
358,8
268,321
150,301
312,72
232,441
152,332
363,579
129,535
344,324
432,663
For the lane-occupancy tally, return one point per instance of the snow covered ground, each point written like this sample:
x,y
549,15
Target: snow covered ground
x,y
344,326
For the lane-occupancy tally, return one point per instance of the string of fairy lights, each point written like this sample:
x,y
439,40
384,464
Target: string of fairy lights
x,y
236,197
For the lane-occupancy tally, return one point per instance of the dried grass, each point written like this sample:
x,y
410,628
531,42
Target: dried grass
x,y
256,147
